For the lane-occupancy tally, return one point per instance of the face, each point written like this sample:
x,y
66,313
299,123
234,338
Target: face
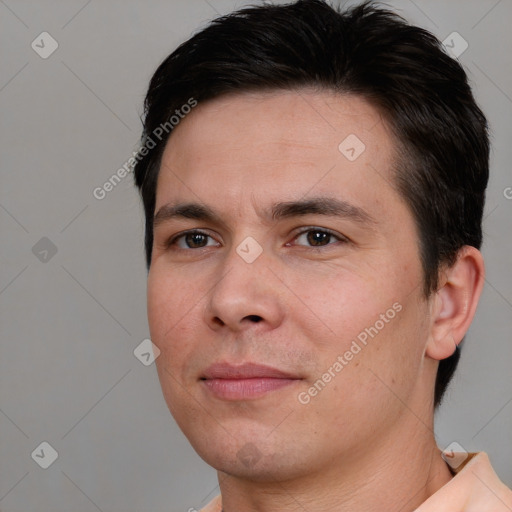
x,y
285,287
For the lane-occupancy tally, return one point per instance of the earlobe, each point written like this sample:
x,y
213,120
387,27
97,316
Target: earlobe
x,y
454,304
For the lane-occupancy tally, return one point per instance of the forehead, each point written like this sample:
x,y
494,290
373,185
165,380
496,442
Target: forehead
x,y
279,146
283,121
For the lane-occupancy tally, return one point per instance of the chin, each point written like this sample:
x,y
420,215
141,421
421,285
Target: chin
x,y
252,457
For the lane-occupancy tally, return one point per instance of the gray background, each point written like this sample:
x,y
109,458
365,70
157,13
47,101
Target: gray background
x,y
70,324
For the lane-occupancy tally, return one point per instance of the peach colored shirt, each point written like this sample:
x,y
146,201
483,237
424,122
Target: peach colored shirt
x,y
474,488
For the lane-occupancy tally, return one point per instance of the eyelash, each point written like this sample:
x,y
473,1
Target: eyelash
x,y
339,238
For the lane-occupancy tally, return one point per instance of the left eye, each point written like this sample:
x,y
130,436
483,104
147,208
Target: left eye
x,y
317,238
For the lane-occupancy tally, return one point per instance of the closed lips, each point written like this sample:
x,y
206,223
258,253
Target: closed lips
x,y
245,382
245,371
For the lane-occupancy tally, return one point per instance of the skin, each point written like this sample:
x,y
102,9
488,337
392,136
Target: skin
x,y
365,441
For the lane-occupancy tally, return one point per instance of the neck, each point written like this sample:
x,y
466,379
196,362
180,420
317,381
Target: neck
x,y
399,473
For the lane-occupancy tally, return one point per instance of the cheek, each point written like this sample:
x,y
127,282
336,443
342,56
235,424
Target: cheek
x,y
173,329
387,369
371,319
171,313
376,378
159,304
342,304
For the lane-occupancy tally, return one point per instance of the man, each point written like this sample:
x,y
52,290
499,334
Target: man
x,y
313,184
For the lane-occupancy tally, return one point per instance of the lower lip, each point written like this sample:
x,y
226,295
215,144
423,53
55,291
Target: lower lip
x,y
245,389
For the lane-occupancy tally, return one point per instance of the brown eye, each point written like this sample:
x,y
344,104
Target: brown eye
x,y
196,240
317,238
192,240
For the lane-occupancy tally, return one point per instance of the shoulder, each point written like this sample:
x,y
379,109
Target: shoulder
x,y
214,506
475,488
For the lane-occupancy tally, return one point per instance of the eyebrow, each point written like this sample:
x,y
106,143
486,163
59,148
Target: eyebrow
x,y
327,206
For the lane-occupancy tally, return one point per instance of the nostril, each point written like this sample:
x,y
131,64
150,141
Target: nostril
x,y
254,318
218,321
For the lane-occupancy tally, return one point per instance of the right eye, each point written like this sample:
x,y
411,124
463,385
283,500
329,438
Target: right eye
x,y
192,240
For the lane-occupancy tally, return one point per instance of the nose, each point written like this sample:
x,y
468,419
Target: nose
x,y
245,295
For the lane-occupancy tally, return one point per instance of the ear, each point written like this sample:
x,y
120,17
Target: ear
x,y
454,304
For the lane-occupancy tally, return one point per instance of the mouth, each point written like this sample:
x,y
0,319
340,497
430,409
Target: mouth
x,y
245,382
